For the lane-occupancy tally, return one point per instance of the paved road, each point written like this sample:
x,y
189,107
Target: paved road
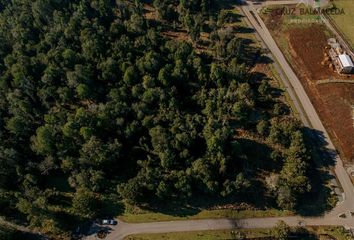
x,y
310,119
124,229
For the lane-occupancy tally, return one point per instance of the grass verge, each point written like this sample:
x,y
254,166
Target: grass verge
x,y
202,235
138,215
337,233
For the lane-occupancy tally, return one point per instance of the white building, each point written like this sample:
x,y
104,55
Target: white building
x,y
315,3
346,63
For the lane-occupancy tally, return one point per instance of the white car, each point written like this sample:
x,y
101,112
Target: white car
x,y
109,222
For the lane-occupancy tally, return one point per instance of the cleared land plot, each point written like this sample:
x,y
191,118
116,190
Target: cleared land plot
x,y
307,45
345,22
339,100
303,45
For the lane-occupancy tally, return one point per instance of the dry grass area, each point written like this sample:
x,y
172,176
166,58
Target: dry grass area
x,y
177,33
149,12
303,45
345,21
134,214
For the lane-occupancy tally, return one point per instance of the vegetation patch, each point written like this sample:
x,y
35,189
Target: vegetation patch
x,y
135,215
282,231
101,104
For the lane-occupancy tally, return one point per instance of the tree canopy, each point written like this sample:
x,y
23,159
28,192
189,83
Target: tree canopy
x,y
95,100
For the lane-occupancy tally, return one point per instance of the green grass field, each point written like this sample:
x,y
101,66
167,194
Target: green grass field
x,y
201,235
345,21
314,233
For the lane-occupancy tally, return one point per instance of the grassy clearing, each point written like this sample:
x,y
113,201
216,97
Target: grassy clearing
x,y
136,215
201,235
314,233
345,21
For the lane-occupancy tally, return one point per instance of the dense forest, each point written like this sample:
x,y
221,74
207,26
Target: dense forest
x,y
96,100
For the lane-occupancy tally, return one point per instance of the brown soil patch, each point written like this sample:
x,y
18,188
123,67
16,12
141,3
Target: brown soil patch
x,y
273,20
180,35
309,45
337,102
149,12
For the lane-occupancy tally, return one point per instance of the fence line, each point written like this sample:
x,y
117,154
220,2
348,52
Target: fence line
x,y
346,40
334,81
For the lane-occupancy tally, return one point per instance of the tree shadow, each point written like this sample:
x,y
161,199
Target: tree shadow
x,y
241,29
230,3
110,207
253,55
257,77
224,4
264,59
94,229
277,92
258,156
303,234
317,138
317,202
176,208
28,236
198,203
203,43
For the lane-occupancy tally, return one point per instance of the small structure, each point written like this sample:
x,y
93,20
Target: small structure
x,y
340,60
316,4
332,42
346,63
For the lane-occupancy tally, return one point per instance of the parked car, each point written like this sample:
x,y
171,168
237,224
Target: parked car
x,y
109,222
